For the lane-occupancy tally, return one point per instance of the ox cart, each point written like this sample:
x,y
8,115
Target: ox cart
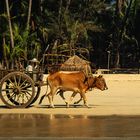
x,y
21,88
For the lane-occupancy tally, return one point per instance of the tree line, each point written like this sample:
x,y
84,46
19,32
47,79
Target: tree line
x,y
105,32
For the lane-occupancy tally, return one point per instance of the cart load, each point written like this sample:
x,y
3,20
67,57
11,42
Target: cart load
x,y
75,63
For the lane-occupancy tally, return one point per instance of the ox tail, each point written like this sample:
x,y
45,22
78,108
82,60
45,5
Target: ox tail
x,y
45,95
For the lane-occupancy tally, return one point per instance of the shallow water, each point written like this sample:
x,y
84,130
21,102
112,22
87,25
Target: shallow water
x,y
41,125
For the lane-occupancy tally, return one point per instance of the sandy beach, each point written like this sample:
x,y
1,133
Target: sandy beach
x,y
122,98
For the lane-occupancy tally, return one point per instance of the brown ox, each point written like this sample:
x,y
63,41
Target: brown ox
x,y
76,82
92,82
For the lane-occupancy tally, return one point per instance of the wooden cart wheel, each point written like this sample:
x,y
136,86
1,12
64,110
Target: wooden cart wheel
x,y
37,93
17,90
8,95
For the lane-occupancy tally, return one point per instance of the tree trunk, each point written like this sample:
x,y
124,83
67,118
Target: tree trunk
x,y
29,14
10,26
120,24
60,17
5,63
125,19
119,6
67,6
117,59
28,23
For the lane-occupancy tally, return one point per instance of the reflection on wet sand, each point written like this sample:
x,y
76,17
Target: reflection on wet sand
x,y
39,125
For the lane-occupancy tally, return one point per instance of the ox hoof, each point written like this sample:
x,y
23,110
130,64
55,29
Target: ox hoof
x,y
51,106
87,106
67,104
75,102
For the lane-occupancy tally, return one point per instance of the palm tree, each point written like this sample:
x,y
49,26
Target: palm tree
x,y
29,14
5,49
9,21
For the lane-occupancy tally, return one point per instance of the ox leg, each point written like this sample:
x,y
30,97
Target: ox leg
x,y
84,99
106,87
61,93
77,102
50,100
50,97
42,98
72,96
70,100
62,96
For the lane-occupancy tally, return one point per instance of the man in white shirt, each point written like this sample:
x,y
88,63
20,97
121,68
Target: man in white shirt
x,y
29,68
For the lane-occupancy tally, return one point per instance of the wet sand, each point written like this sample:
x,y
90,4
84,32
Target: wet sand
x,y
38,125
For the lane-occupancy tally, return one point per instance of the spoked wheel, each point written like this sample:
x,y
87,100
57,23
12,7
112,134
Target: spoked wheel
x,y
17,90
36,95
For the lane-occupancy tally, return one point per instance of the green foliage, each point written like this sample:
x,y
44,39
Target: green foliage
x,y
84,27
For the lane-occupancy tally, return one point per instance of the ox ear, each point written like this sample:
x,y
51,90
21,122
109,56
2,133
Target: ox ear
x,y
100,76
